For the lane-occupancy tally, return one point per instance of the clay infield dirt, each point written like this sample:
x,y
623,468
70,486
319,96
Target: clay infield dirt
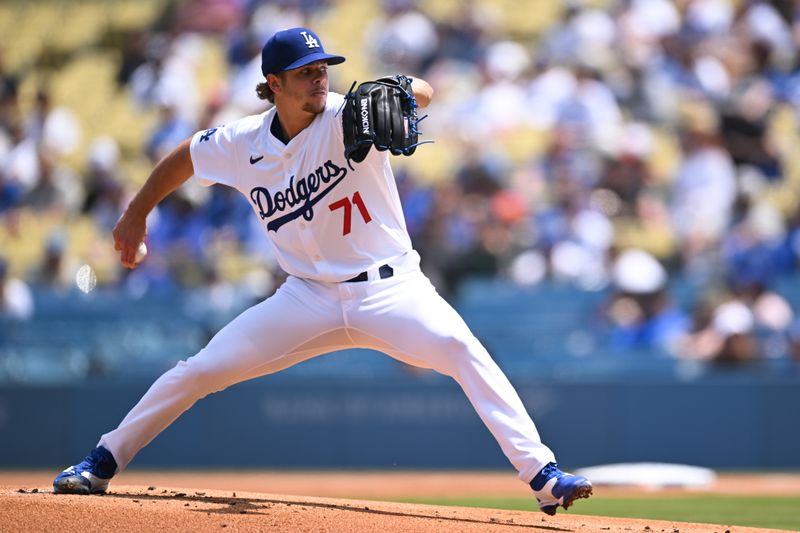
x,y
286,501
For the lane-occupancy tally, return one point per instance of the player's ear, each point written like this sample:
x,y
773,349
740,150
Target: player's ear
x,y
274,82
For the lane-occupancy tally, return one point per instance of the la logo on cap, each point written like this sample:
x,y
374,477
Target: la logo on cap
x,y
311,42
291,49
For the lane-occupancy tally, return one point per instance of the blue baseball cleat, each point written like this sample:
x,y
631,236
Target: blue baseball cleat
x,y
91,476
553,487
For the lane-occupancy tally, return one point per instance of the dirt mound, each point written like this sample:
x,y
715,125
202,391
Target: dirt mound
x,y
129,508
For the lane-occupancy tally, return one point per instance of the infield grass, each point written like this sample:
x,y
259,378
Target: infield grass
x,y
769,512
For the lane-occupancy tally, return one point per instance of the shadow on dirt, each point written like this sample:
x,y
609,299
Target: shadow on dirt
x,y
240,505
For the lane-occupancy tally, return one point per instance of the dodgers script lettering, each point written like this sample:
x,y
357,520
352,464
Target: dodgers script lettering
x,y
300,194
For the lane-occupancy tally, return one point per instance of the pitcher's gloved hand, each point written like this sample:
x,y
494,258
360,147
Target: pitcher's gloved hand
x,y
382,113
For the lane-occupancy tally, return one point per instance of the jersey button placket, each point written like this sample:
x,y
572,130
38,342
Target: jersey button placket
x,y
315,252
290,172
306,238
301,230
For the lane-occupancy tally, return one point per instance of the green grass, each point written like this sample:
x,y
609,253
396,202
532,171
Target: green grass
x,y
769,512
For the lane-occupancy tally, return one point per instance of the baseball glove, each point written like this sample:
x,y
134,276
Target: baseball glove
x,y
382,113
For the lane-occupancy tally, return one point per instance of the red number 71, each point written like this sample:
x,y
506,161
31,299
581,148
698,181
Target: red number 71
x,y
348,210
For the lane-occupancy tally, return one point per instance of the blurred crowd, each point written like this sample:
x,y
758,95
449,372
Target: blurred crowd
x,y
661,148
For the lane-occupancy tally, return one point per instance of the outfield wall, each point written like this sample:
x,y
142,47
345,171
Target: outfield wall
x,y
720,421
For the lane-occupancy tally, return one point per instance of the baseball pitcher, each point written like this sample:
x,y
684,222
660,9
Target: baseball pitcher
x,y
315,169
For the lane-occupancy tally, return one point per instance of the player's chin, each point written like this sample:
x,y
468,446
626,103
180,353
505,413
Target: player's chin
x,y
316,102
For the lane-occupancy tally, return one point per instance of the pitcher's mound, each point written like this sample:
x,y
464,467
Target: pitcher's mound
x,y
136,509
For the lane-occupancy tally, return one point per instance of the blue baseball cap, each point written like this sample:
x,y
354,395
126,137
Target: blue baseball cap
x,y
293,48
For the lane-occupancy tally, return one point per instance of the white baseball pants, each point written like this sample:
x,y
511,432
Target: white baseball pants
x,y
402,316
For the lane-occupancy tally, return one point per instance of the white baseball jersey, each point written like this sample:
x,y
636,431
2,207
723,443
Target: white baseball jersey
x,y
326,222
